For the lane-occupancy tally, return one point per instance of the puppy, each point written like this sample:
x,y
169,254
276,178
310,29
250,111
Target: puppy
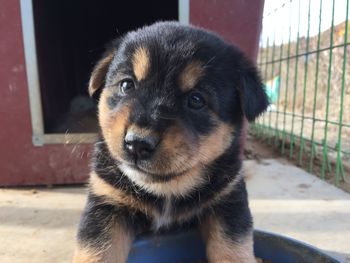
x,y
172,102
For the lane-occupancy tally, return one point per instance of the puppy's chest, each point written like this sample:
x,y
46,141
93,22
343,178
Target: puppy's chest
x,y
171,214
165,216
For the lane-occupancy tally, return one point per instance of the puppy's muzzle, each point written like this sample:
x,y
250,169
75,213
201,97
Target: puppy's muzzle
x,y
140,147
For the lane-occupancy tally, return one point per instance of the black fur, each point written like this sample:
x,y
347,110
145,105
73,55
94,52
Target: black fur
x,y
233,90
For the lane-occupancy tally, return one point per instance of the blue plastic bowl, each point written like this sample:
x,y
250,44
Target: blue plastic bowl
x,y
186,247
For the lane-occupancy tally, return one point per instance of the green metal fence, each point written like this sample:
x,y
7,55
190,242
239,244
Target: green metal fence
x,y
303,61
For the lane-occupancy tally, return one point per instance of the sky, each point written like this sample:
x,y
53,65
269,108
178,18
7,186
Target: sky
x,y
280,14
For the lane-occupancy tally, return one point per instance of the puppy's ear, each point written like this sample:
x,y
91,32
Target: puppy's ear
x,y
253,97
98,75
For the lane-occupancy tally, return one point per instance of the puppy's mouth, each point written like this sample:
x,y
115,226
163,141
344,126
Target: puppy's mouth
x,y
149,175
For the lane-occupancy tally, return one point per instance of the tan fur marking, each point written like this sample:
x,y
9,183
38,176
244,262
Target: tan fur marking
x,y
178,186
190,75
115,196
186,157
84,255
99,73
103,110
216,143
113,124
174,137
121,244
116,252
222,250
177,144
141,63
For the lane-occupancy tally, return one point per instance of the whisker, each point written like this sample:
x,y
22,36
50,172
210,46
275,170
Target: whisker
x,y
169,117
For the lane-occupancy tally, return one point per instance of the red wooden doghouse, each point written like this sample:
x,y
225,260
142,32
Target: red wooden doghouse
x,y
47,51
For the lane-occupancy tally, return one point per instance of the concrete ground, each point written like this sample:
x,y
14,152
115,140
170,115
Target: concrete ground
x,y
287,200
38,225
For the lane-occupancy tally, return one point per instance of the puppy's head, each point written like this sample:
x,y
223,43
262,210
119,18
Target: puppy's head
x,y
172,99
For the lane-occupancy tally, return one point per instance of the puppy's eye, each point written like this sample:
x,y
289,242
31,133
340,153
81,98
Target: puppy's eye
x,y
126,86
195,101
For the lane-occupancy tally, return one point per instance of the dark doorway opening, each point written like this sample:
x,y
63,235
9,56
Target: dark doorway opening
x,y
70,38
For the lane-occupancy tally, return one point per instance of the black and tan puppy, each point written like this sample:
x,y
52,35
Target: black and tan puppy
x,y
171,106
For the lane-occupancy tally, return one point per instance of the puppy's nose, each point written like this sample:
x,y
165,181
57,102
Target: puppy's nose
x,y
140,147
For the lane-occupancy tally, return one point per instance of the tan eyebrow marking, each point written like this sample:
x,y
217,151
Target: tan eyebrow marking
x,y
190,75
141,63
